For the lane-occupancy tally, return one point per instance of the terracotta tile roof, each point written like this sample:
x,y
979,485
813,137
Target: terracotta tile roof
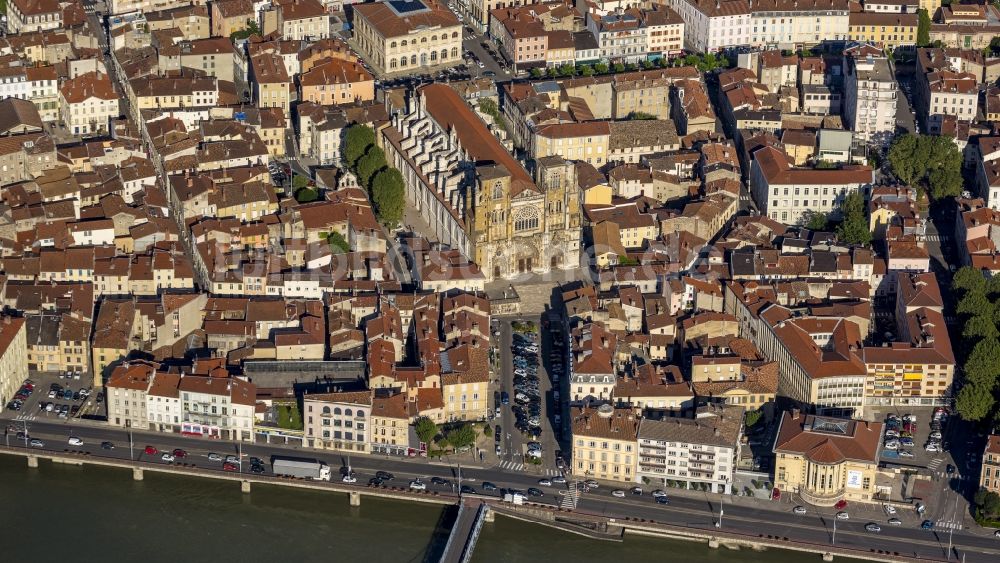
x,y
605,422
388,23
828,440
86,86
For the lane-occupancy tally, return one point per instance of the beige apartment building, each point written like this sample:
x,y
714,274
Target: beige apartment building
x,y
466,386
270,82
406,43
230,16
26,16
126,395
825,460
13,357
587,141
605,443
989,473
302,20
88,102
111,341
337,82
390,422
168,93
192,21
664,30
215,57
117,7
337,421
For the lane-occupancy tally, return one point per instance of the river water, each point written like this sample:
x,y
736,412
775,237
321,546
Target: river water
x,y
84,514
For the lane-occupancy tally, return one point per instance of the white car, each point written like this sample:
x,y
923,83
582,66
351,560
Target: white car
x,y
895,522
658,493
932,447
480,64
618,493
74,441
169,458
799,510
52,393
545,482
418,486
350,478
843,516
889,509
892,445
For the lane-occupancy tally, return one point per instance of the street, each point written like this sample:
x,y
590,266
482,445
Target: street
x,y
690,509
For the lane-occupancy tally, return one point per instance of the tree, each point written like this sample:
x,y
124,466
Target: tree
x,y
923,28
357,139
567,70
988,503
536,73
640,115
817,221
426,429
983,365
601,68
974,402
389,196
648,64
931,162
295,417
338,243
305,195
586,70
369,165
487,431
980,326
284,417
462,436
973,303
251,29
969,279
553,72
753,417
854,228
619,67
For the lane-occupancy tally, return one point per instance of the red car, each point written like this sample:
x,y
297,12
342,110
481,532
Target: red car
x,y
229,467
776,494
841,504
180,453
150,450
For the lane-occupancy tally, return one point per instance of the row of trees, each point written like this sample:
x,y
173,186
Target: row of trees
x,y
930,162
384,183
980,343
704,63
458,436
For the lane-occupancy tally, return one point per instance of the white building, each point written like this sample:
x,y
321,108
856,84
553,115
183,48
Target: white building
x,y
217,407
693,451
792,24
712,25
870,98
88,102
789,194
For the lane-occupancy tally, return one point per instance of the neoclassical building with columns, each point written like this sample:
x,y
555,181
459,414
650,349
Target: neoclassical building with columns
x,y
475,196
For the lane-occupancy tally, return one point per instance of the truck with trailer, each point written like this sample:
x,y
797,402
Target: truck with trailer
x,y
300,468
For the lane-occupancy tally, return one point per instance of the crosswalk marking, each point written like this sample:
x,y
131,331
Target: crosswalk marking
x,y
511,466
934,463
571,497
26,416
948,525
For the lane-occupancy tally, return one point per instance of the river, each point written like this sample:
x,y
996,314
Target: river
x,y
84,514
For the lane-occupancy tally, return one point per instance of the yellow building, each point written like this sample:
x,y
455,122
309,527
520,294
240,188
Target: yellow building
x,y
587,141
396,43
825,460
466,387
884,29
605,443
270,81
13,357
390,422
337,82
989,475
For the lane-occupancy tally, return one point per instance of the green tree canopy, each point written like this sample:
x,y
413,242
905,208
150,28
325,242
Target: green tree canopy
x,y
426,429
389,196
601,68
974,402
931,162
357,139
338,243
369,165
753,417
305,195
980,326
923,28
969,279
854,227
586,70
983,364
974,303
988,503
464,435
817,221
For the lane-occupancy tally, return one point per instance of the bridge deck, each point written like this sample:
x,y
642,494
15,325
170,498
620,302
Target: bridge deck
x,y
465,532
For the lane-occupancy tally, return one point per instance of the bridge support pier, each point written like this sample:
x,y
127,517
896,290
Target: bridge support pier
x,y
490,516
828,556
245,486
713,543
137,474
355,498
32,461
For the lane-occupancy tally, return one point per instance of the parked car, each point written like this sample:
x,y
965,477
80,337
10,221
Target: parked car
x,y
214,457
36,443
661,500
927,525
169,458
843,516
873,527
417,485
799,510
74,441
230,467
150,450
618,493
108,445
487,486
